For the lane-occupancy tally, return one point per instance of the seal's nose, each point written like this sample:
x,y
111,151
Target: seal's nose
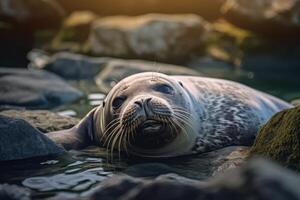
x,y
143,102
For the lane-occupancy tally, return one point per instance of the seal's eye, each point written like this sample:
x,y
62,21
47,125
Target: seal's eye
x,y
164,88
118,101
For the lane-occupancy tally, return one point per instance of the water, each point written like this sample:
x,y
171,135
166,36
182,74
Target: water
x,y
80,171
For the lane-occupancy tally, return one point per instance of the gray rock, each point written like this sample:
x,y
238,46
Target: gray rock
x,y
117,69
13,192
267,17
19,140
34,89
67,65
171,38
257,179
45,121
32,13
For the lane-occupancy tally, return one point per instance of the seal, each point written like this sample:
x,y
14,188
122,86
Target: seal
x,y
155,115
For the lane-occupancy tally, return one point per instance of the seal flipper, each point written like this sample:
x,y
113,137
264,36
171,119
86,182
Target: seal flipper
x,y
78,137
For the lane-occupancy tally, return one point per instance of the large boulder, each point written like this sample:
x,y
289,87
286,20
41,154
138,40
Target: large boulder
x,y
267,17
256,180
34,89
279,138
45,121
19,140
32,14
170,38
115,70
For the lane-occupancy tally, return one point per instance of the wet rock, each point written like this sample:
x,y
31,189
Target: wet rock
x,y
34,89
279,138
117,69
171,38
19,140
74,33
257,179
45,121
32,14
267,17
67,65
13,192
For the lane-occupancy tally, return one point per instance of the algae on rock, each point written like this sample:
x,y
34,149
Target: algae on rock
x,y
279,139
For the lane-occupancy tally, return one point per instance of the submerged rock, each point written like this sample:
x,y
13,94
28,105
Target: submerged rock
x,y
267,17
34,89
19,140
116,69
45,121
279,138
257,179
156,37
13,192
32,13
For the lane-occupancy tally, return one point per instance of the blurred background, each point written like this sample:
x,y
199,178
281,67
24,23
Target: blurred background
x,y
59,58
253,42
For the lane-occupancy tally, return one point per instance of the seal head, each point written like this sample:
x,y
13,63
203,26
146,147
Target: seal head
x,y
147,114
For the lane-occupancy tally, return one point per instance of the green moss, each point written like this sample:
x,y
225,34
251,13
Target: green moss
x,y
279,139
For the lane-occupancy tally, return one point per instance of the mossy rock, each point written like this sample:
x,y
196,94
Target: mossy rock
x,y
279,139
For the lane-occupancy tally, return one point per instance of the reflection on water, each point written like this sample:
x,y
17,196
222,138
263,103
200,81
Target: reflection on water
x,y
83,170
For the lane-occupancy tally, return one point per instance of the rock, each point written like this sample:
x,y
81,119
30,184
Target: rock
x,y
205,8
34,89
169,38
32,14
74,32
19,140
279,138
67,65
257,179
117,69
45,121
268,17
13,192
75,67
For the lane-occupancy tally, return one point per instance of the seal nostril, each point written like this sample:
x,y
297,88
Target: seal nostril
x,y
148,100
139,103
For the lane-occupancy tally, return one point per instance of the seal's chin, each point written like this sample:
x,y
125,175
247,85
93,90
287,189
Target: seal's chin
x,y
153,134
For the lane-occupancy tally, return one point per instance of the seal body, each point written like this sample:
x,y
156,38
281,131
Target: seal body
x,y
155,115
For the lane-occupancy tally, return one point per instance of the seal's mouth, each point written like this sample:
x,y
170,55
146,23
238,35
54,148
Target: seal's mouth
x,y
150,128
153,134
